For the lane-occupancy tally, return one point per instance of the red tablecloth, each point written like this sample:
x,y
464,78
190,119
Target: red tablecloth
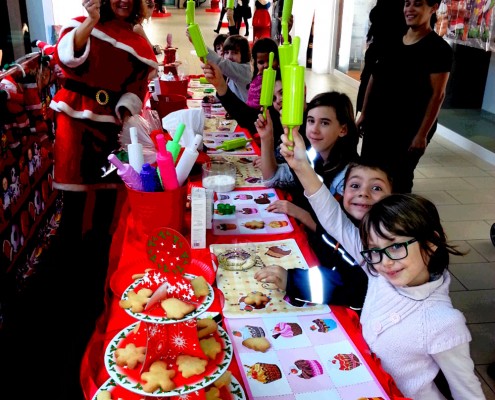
x,y
128,256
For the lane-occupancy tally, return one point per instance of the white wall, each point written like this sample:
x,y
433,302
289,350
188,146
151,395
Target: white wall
x,y
42,15
324,32
489,97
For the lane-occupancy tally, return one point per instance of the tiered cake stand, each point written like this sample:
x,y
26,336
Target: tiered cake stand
x,y
156,330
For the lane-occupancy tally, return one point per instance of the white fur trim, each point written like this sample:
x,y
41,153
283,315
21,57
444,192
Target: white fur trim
x,y
60,106
65,48
103,36
130,101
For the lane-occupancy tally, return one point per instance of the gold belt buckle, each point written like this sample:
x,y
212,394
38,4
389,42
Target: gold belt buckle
x,y
102,97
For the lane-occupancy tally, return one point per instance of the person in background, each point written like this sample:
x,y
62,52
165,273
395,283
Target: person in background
x,y
261,20
408,319
235,64
218,43
260,54
159,6
404,95
245,14
223,10
244,115
276,25
386,24
106,67
342,280
139,28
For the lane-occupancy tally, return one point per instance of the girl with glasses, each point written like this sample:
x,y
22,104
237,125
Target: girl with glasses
x,y
407,319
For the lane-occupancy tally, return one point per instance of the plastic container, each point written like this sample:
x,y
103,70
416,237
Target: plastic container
x,y
168,103
174,87
219,176
151,210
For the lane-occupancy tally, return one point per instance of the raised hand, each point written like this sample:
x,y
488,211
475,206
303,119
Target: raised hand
x,y
92,7
294,151
264,126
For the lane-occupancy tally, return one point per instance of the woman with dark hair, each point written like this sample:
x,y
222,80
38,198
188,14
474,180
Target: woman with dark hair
x,y
106,65
404,95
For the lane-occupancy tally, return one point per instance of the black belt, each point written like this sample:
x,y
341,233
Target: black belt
x,y
102,96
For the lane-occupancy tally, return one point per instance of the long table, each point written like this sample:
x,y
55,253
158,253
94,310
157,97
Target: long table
x,y
128,256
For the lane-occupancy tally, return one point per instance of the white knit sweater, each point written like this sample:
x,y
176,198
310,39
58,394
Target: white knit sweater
x,y
414,331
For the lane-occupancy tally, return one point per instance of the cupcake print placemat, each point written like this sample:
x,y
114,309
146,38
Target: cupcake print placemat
x,y
250,215
245,297
307,357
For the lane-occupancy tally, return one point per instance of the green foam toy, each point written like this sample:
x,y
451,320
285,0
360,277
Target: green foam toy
x,y
293,89
285,49
233,144
195,33
268,85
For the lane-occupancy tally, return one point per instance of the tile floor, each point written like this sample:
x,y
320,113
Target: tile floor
x,y
461,184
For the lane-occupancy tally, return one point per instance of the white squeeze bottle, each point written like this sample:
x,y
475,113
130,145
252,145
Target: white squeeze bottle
x,y
187,160
135,151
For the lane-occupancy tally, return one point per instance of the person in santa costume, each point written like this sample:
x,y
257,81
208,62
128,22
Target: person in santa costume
x,y
106,66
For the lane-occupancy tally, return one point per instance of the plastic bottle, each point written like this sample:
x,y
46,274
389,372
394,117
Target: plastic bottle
x,y
128,175
135,151
166,167
187,160
149,179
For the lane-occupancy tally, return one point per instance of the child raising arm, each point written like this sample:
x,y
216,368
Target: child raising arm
x,y
408,319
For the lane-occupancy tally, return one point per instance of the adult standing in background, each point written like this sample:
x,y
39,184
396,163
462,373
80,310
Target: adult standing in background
x,y
276,30
386,23
404,95
222,14
261,20
245,13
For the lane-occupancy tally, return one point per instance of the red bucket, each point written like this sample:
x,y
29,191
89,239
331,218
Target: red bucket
x,y
168,103
151,210
174,87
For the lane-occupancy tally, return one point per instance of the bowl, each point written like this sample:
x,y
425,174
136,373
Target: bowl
x,y
219,175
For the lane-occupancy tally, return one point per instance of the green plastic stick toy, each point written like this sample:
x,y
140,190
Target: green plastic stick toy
x,y
233,144
173,145
195,33
293,89
285,49
268,85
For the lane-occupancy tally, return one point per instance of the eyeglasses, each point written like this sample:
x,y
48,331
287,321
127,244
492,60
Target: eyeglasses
x,y
396,251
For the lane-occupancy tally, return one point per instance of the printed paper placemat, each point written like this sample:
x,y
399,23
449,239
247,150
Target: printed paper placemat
x,y
251,215
219,124
245,297
310,357
247,174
